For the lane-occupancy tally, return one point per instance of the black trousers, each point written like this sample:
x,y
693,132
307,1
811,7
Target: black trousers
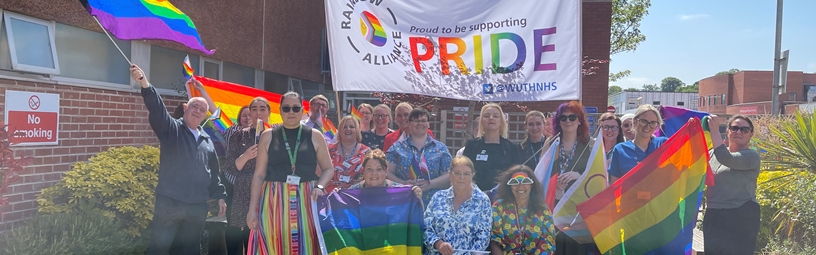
x,y
179,221
236,239
731,231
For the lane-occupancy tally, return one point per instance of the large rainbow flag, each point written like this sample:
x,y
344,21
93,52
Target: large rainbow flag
x,y
590,183
653,208
146,19
675,118
230,97
371,221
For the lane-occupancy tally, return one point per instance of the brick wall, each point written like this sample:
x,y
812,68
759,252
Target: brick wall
x,y
91,121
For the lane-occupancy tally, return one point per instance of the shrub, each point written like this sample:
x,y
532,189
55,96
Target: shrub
x,y
121,181
70,233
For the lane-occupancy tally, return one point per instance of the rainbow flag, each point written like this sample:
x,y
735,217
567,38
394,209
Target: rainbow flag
x,y
230,97
653,208
590,183
146,19
371,221
544,174
354,112
675,117
329,130
188,69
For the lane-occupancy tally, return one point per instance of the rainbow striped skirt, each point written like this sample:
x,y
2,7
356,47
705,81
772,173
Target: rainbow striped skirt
x,y
286,221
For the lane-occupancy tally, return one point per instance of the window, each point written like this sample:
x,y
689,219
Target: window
x,y
709,100
31,44
715,100
238,74
166,69
295,85
722,99
275,82
211,68
681,103
325,63
655,102
89,55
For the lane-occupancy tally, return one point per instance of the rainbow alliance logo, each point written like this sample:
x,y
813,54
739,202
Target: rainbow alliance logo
x,y
375,45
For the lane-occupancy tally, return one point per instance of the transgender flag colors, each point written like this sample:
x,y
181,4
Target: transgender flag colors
x,y
146,19
653,208
371,221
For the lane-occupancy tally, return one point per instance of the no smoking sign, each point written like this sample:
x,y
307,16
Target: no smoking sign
x,y
33,117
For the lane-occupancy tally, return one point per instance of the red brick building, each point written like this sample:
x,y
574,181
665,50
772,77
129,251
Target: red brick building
x,y
276,46
749,92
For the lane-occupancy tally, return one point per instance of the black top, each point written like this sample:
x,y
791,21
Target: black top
x,y
528,150
278,165
577,164
491,160
188,168
372,140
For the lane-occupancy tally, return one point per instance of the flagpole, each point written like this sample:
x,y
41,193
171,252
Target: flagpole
x,y
112,41
337,97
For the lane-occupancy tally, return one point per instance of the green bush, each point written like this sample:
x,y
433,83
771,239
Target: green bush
x,y
70,233
120,182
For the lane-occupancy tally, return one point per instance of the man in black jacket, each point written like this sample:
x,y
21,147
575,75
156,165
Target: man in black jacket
x,y
188,173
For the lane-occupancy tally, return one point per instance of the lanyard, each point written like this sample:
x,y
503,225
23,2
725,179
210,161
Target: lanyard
x,y
564,159
535,155
520,227
343,151
292,158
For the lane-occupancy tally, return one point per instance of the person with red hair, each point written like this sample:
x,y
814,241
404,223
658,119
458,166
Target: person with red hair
x,y
571,126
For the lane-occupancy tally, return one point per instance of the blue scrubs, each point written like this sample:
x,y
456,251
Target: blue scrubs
x,y
626,156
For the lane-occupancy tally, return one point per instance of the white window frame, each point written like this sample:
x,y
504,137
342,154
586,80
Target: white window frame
x,y
296,85
201,66
13,48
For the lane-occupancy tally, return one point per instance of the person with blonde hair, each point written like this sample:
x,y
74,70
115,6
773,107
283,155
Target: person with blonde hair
x,y
491,152
375,137
458,218
627,155
347,155
535,122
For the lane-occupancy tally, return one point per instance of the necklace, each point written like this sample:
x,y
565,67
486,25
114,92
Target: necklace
x,y
565,160
521,228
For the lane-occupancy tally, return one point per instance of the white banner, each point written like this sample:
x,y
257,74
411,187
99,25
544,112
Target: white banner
x,y
486,50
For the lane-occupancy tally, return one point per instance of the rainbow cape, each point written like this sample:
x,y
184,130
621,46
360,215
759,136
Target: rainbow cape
x,y
675,117
653,208
146,19
590,183
544,174
230,97
371,221
354,112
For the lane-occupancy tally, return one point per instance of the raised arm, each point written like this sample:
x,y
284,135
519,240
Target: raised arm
x,y
200,87
160,120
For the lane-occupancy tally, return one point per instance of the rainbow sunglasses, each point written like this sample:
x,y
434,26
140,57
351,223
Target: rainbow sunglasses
x,y
519,178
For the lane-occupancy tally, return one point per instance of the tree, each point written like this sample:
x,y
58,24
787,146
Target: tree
x,y
694,88
670,84
626,17
631,89
614,89
732,71
650,87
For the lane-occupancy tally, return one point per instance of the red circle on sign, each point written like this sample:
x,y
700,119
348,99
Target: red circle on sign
x,y
611,109
34,102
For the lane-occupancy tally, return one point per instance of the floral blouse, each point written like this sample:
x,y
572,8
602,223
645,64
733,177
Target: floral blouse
x,y
465,229
434,155
348,171
538,235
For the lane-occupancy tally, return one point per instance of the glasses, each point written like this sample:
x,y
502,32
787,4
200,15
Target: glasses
x,y
744,130
610,128
315,105
291,108
517,181
380,116
651,124
571,117
420,121
462,174
366,113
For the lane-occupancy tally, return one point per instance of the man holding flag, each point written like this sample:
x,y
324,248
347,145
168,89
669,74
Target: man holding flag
x,y
319,105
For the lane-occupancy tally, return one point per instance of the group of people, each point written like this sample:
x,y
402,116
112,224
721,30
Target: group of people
x,y
486,198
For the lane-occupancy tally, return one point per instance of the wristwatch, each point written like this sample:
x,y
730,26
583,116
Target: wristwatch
x,y
321,187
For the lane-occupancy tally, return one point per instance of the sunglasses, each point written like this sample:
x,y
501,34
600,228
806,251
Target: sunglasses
x,y
571,117
291,108
744,130
517,181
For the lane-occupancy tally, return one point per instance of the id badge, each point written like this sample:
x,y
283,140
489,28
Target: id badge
x,y
293,180
345,178
481,157
346,164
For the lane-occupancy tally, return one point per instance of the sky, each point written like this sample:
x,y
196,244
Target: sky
x,y
695,39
